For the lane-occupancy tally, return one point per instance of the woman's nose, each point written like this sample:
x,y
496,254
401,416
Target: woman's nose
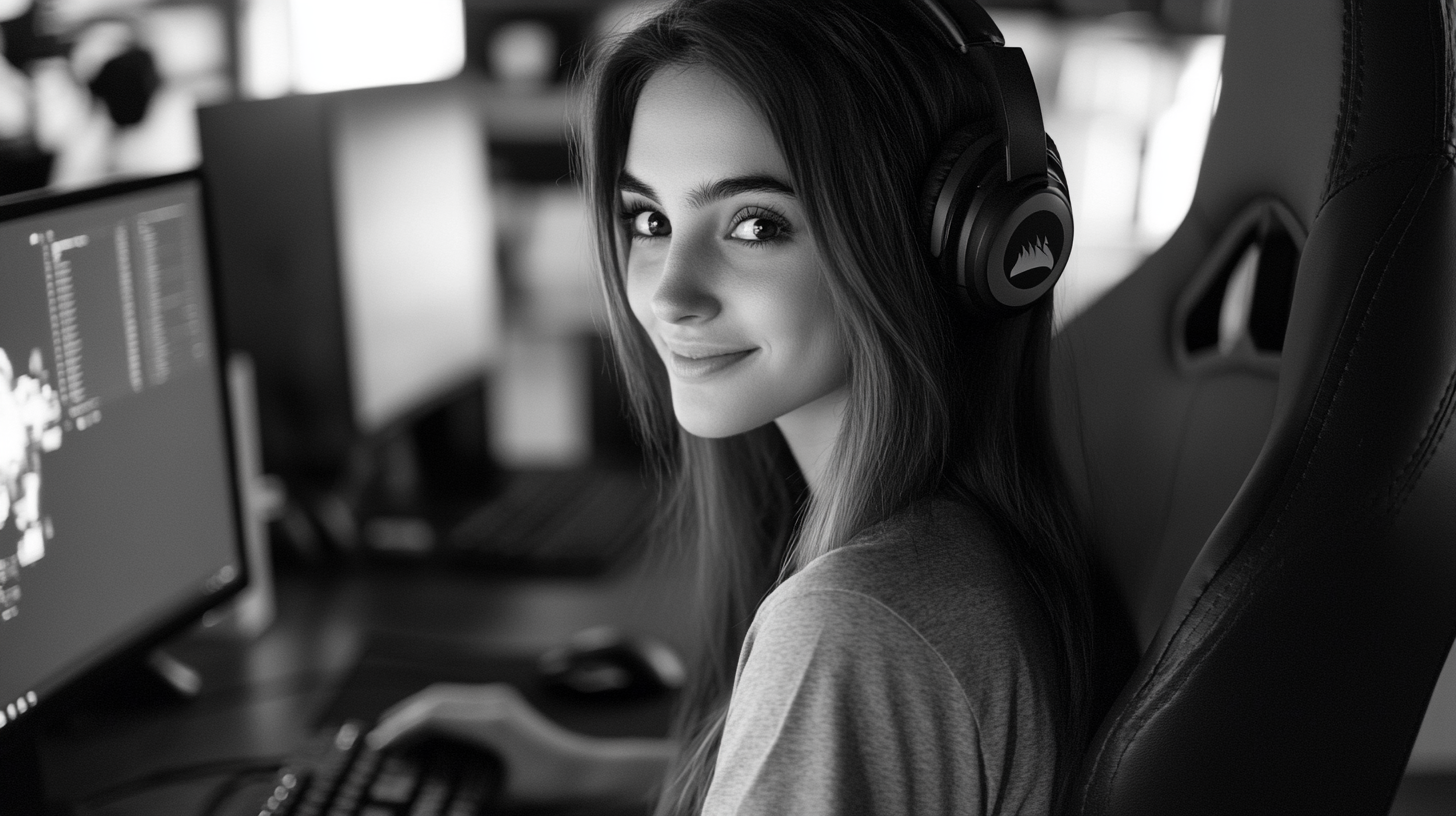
x,y
684,292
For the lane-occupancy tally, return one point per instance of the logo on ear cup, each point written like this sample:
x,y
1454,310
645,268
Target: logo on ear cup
x,y
1033,250
1036,261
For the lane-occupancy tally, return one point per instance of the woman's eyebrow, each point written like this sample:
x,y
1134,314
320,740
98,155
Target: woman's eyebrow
x,y
705,194
628,183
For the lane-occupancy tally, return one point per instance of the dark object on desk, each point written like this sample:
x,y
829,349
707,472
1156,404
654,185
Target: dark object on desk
x,y
567,522
606,662
341,775
392,667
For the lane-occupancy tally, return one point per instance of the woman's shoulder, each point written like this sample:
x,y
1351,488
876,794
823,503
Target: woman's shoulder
x,y
935,547
941,568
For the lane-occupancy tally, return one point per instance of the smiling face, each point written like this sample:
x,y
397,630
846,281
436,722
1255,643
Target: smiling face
x,y
724,273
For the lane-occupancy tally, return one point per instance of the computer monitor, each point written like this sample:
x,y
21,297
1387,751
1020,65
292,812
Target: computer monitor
x,y
119,513
357,259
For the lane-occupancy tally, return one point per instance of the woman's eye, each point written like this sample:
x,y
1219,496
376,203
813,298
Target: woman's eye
x,y
756,228
650,224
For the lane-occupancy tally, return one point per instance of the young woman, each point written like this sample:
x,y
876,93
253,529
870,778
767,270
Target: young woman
x,y
896,613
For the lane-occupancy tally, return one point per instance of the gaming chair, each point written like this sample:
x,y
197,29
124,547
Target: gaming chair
x,y
1255,424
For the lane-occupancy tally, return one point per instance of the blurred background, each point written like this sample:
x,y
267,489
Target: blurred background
x,y
90,88
354,403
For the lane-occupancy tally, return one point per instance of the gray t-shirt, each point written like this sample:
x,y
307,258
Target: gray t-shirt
x,y
905,673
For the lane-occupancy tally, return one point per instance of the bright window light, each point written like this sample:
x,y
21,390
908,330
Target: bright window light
x,y
341,44
1175,144
266,60
335,45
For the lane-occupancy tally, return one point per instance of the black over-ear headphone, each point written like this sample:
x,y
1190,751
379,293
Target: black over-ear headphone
x,y
1000,220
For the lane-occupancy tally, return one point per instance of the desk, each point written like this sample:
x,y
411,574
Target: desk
x,y
262,698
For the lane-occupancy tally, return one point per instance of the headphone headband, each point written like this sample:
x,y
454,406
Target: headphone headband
x,y
969,30
956,21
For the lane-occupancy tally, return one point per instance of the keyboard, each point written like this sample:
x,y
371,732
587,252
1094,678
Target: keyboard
x,y
338,774
575,522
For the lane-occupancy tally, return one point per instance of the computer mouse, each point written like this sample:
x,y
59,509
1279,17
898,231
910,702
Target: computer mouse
x,y
604,661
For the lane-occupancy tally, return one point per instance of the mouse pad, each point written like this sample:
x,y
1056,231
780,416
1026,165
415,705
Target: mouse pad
x,y
392,667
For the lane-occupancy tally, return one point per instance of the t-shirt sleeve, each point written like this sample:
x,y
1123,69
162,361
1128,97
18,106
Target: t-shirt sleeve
x,y
841,707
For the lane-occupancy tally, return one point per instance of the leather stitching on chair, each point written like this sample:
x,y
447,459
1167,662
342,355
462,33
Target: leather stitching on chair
x,y
1425,452
1441,47
1344,350
1446,32
1444,52
1364,169
1351,80
1409,476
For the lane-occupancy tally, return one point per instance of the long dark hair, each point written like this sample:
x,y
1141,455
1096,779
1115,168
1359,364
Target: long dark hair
x,y
859,95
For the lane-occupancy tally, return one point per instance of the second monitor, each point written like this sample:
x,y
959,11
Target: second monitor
x,y
357,258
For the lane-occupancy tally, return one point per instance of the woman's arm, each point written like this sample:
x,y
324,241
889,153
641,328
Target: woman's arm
x,y
545,763
624,769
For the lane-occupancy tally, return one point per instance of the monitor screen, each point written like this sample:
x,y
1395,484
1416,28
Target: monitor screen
x,y
416,247
118,514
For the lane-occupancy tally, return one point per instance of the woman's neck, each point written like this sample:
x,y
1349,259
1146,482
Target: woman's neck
x,y
811,430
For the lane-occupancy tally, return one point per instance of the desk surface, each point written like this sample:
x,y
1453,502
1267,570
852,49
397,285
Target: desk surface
x,y
262,698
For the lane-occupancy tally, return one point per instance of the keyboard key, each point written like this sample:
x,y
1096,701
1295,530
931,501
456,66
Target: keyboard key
x,y
396,781
339,775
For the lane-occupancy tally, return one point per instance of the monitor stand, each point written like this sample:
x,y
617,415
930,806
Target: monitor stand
x,y
152,680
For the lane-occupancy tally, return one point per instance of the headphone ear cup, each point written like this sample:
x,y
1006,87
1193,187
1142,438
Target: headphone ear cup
x,y
943,196
1001,245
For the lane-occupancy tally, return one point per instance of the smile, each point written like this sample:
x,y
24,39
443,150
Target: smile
x,y
693,368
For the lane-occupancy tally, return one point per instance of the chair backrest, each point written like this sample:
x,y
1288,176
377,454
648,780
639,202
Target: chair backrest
x,y
1255,422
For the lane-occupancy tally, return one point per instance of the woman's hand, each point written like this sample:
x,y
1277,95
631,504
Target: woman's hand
x,y
544,762
541,758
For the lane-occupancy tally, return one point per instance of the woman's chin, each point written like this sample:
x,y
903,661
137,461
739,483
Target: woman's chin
x,y
713,422
709,427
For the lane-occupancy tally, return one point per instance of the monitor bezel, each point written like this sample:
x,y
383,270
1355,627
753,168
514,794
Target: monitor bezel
x,y
146,635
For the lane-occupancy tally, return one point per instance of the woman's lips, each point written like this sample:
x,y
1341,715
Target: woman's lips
x,y
699,366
